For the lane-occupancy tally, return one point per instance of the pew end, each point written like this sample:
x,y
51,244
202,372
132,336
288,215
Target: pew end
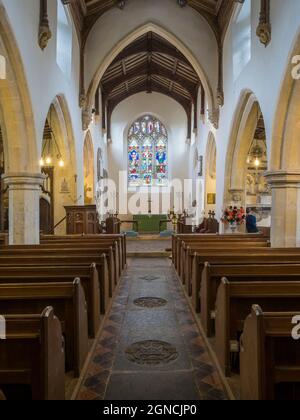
x,y
33,354
269,355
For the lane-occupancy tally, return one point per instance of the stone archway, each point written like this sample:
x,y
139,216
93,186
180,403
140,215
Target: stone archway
x,y
22,173
242,134
284,174
59,188
89,170
149,27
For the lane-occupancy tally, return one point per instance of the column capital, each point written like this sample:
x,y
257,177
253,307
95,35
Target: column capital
x,y
23,180
283,178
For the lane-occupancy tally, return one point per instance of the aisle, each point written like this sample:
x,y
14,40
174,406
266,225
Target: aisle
x,y
151,348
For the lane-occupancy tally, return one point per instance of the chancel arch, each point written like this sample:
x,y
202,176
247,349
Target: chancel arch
x,y
164,79
89,170
210,174
58,165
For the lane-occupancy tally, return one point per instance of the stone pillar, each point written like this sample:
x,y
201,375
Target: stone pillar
x,y
285,219
24,207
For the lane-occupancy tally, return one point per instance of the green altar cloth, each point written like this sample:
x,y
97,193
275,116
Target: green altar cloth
x,y
151,223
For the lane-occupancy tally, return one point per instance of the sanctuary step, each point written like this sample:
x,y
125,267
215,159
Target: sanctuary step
x,y
148,246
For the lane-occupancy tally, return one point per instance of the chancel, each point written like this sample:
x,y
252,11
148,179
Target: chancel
x,y
149,201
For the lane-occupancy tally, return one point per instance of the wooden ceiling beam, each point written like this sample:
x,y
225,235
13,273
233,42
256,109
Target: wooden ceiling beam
x,y
142,46
153,69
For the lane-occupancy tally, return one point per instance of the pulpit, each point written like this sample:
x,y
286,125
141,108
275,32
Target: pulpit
x,y
82,220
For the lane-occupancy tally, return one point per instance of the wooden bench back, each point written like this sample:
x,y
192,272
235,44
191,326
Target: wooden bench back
x,y
68,302
240,257
88,276
269,355
212,275
89,253
87,238
234,302
185,263
105,278
33,354
83,245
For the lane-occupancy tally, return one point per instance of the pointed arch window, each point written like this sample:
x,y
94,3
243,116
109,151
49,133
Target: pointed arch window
x,y
147,153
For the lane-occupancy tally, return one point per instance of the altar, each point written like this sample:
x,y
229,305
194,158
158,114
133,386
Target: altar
x,y
151,223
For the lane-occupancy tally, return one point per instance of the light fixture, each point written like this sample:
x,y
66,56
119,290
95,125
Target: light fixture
x,y
49,141
257,162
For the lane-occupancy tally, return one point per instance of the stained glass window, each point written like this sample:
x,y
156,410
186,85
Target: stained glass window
x,y
147,153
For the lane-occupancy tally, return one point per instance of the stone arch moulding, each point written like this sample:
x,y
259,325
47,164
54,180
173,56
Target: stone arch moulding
x,y
210,171
16,115
66,130
64,178
241,137
285,150
210,154
150,27
89,169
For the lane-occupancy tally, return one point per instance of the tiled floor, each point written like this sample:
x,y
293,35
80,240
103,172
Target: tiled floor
x,y
189,375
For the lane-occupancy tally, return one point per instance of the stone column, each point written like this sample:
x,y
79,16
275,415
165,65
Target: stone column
x,y
24,207
285,219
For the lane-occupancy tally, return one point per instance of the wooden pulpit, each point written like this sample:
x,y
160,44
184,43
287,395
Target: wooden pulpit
x,y
82,220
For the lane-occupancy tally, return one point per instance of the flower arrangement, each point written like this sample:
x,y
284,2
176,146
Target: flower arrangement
x,y
234,216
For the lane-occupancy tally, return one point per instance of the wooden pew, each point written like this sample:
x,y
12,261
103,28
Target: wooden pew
x,y
269,356
89,238
40,274
238,257
234,302
35,250
69,305
194,243
212,276
84,244
33,354
188,252
66,260
176,239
